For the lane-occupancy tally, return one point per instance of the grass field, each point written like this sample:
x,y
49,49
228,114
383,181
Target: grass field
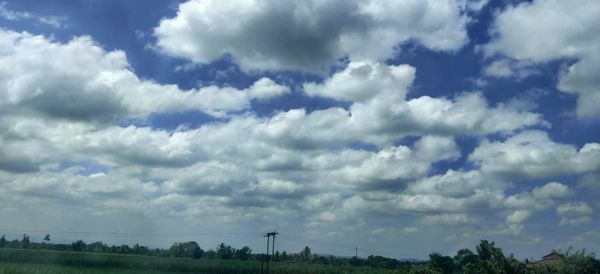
x,y
55,262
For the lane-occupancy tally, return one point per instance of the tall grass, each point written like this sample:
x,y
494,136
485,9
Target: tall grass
x,y
54,262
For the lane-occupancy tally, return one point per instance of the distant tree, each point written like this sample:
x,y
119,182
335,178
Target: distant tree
x,y
211,254
25,241
243,253
3,241
78,245
491,259
442,263
224,251
464,257
124,249
382,262
186,249
97,247
305,254
355,261
140,250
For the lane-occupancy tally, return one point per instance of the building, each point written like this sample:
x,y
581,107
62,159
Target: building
x,y
551,259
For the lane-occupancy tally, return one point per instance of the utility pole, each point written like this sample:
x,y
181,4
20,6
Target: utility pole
x,y
356,252
268,235
273,249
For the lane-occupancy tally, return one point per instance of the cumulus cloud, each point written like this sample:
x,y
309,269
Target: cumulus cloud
x,y
360,81
265,89
518,216
539,198
542,31
455,184
46,77
391,168
581,208
534,154
307,36
380,111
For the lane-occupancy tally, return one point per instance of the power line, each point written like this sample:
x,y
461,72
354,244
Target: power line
x,y
129,233
346,247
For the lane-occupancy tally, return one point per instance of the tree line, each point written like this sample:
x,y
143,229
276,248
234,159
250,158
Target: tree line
x,y
487,258
190,249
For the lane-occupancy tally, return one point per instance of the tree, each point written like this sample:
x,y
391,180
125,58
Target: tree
x,y
225,251
491,259
211,254
464,257
97,247
124,249
78,246
186,249
382,262
305,254
3,241
444,264
243,253
25,241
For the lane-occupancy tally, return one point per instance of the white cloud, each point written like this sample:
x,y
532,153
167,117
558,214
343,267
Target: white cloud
x,y
265,89
46,77
380,112
448,219
551,190
534,154
308,36
360,81
455,184
505,68
392,168
211,178
538,199
575,221
578,208
475,5
542,31
11,15
467,114
518,216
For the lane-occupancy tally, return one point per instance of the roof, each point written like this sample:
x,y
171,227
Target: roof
x,y
551,259
552,256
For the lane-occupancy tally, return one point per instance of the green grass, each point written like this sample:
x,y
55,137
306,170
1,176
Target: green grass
x,y
55,262
23,268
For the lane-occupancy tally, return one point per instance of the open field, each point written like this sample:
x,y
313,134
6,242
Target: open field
x,y
55,262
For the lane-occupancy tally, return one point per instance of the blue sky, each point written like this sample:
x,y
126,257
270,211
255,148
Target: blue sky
x,y
403,127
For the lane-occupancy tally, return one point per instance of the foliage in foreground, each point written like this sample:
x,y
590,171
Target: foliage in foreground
x,y
490,259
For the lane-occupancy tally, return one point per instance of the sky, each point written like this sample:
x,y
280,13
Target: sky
x,y
400,127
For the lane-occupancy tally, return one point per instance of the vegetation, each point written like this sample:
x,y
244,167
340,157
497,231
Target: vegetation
x,y
25,256
490,259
